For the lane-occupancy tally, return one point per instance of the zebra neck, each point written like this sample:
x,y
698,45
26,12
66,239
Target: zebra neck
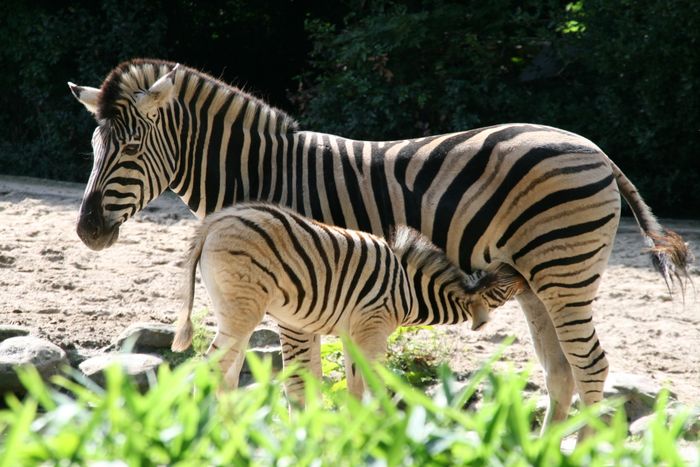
x,y
233,147
230,152
434,302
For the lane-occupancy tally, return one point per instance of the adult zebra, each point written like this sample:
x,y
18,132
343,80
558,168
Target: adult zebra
x,y
542,200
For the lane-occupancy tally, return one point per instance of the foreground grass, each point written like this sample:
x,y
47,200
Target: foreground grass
x,y
182,421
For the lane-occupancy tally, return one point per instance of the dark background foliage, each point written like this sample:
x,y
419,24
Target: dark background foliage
x,y
625,74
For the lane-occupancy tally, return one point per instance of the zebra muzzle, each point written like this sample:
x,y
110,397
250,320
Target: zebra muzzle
x,y
92,227
480,315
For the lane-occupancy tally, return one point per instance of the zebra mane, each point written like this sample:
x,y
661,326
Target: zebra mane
x,y
412,247
137,75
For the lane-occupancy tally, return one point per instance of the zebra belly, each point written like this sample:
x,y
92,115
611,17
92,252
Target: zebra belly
x,y
323,321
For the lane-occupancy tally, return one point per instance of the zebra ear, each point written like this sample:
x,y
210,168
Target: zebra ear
x,y
158,95
86,95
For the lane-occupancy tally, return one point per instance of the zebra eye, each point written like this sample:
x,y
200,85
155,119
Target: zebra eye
x,y
131,149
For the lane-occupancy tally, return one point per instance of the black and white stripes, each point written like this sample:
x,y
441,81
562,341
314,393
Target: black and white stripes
x,y
320,279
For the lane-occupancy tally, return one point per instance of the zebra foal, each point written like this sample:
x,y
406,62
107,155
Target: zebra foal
x,y
257,258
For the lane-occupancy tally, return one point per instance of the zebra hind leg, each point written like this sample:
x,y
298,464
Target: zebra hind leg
x,y
237,318
558,375
579,340
303,350
229,347
571,314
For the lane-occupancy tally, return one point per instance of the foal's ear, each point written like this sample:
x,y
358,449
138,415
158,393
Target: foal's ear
x,y
86,95
158,95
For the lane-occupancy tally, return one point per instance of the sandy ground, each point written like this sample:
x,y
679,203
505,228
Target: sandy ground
x,y
81,300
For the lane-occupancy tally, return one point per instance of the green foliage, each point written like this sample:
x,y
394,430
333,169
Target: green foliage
x,y
415,358
333,363
397,71
201,339
184,421
203,335
416,353
624,74
44,131
636,74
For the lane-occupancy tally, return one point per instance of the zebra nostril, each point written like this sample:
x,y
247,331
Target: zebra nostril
x,y
88,228
94,233
93,227
91,223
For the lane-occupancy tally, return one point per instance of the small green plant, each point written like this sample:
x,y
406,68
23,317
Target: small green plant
x,y
332,363
203,335
416,354
413,352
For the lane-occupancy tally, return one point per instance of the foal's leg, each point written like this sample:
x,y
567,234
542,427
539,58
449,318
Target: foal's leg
x,y
302,349
239,304
237,318
371,340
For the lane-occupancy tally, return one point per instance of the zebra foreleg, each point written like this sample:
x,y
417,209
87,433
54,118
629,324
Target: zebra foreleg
x,y
372,342
303,350
557,369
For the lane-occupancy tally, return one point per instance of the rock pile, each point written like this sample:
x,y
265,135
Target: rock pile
x,y
139,350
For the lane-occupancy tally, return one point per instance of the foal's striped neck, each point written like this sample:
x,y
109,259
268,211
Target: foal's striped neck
x,y
439,289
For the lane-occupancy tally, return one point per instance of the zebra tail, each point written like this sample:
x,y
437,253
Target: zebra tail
x,y
184,329
670,254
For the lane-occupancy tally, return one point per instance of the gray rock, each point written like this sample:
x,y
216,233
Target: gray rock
x,y
11,330
264,337
140,337
691,429
640,425
639,392
20,351
541,404
141,367
274,353
690,454
78,355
